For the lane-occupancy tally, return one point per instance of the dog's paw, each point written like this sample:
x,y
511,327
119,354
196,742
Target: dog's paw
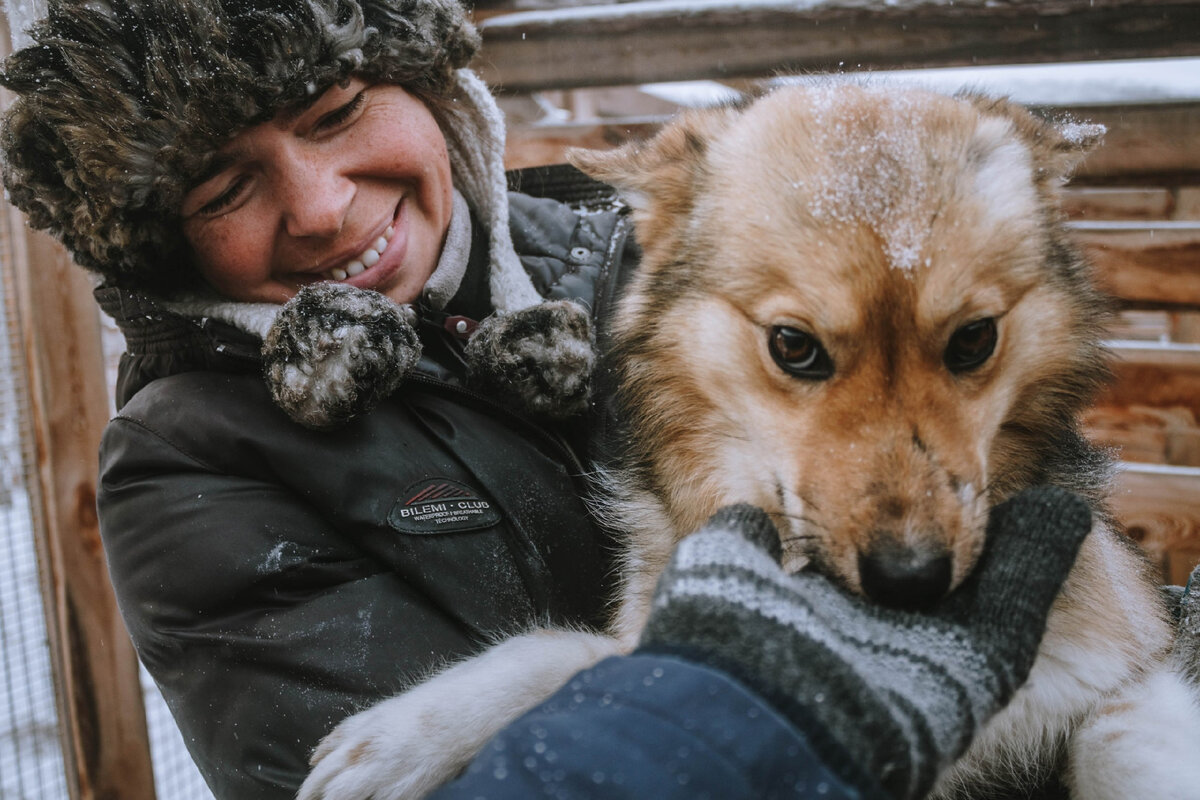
x,y
379,754
405,747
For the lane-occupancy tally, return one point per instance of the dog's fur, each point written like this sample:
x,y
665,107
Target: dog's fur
x,y
883,225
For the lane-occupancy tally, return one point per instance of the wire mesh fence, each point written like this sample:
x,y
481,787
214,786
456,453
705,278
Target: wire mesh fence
x,y
31,760
32,766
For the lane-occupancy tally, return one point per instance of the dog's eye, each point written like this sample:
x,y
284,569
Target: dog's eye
x,y
971,345
799,353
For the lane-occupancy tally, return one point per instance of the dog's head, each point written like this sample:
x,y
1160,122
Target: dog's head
x,y
857,309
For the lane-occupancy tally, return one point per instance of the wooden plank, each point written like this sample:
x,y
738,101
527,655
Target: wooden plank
x,y
101,721
100,697
1152,144
1142,325
1185,327
665,40
1146,434
1150,411
1145,262
1157,326
1187,201
1147,168
1118,203
1160,508
548,144
1157,376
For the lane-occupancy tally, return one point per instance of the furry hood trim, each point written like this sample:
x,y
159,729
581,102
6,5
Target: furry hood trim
x,y
122,104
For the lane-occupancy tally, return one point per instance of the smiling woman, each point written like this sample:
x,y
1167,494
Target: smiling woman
x,y
356,188
313,190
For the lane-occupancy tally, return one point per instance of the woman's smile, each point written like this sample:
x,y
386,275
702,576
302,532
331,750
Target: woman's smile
x,y
364,260
354,188
369,265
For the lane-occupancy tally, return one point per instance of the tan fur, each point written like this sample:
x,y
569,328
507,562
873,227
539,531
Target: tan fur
x,y
879,222
894,442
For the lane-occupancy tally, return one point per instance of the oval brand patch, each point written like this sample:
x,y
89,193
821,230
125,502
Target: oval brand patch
x,y
440,505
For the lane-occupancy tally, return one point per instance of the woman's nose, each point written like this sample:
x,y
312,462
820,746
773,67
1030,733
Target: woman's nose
x,y
315,197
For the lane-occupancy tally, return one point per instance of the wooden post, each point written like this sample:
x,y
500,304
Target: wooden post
x,y
614,44
102,723
1160,507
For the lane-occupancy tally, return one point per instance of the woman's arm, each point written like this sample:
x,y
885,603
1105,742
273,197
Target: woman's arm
x,y
261,626
272,583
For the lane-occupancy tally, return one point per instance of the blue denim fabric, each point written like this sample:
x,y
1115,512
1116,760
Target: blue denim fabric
x,y
650,726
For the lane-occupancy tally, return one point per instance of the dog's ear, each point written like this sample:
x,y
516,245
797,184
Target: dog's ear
x,y
661,177
1068,141
1058,145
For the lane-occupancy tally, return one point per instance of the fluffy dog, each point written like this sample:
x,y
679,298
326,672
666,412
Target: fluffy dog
x,y
857,309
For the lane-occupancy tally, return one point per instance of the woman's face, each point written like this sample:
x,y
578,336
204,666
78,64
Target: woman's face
x,y
354,188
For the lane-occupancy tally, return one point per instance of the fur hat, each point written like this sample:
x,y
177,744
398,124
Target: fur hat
x,y
123,104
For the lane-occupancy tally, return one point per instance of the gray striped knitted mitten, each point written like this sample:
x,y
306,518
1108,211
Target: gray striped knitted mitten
x,y
901,692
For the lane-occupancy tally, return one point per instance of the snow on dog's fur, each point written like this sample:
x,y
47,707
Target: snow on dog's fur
x,y
858,310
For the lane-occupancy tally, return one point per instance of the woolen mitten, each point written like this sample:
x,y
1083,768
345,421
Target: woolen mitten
x,y
335,351
901,692
538,360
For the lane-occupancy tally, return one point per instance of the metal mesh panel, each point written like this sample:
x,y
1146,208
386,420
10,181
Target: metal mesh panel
x,y
31,761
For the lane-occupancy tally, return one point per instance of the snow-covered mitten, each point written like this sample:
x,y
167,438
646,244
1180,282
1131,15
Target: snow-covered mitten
x,y
335,351
538,359
900,693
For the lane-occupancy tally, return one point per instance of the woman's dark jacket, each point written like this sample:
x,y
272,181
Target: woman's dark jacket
x,y
276,579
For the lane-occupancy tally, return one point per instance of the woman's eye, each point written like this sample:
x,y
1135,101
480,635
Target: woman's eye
x,y
800,354
971,345
225,198
343,113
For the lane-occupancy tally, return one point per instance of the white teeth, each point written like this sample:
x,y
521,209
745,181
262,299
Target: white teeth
x,y
369,258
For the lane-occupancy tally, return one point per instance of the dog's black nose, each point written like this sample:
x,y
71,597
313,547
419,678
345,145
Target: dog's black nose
x,y
904,577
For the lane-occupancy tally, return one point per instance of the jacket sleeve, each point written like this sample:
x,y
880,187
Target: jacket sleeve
x,y
261,627
651,725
